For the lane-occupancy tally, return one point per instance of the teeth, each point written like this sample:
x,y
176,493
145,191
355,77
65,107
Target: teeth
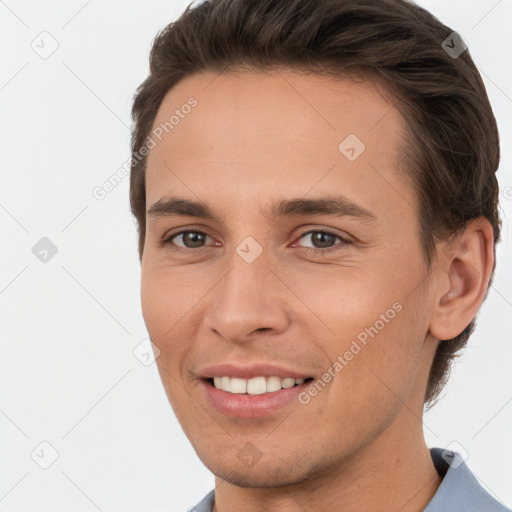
x,y
225,383
238,385
288,383
273,384
254,386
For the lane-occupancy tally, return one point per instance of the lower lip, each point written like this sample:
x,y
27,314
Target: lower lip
x,y
251,406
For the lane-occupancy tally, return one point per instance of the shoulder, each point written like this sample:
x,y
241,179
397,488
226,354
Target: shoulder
x,y
460,490
205,505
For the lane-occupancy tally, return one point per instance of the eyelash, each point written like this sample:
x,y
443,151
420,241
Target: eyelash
x,y
309,250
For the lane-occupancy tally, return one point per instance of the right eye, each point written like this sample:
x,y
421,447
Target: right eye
x,y
190,240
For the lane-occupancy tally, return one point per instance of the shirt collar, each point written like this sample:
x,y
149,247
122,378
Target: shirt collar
x,y
459,491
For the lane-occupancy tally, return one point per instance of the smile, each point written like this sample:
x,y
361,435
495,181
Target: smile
x,y
256,397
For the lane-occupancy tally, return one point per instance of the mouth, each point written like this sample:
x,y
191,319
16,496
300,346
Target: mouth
x,y
261,385
258,390
257,397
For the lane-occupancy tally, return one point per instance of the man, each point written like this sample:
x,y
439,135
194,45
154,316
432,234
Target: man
x,y
314,184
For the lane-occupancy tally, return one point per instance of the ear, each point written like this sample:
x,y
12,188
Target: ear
x,y
468,267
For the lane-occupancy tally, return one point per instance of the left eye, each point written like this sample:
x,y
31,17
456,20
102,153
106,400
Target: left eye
x,y
196,239
323,238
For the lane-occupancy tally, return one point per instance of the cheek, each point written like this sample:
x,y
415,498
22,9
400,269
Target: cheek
x,y
344,303
371,384
166,300
371,329
383,373
154,296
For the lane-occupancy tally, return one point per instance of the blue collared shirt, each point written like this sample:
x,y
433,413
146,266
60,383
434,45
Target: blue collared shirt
x,y
459,491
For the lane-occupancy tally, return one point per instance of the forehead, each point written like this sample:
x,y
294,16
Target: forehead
x,y
278,130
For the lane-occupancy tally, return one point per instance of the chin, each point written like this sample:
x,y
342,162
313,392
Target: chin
x,y
269,474
259,479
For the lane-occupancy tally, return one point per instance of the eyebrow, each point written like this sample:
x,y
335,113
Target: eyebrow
x,y
338,206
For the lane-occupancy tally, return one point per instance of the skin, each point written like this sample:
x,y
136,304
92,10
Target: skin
x,y
254,138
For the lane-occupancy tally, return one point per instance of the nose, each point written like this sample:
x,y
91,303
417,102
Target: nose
x,y
250,300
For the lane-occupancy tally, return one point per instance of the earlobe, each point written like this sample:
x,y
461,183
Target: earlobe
x,y
468,269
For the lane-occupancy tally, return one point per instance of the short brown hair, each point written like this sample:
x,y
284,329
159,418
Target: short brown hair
x,y
452,145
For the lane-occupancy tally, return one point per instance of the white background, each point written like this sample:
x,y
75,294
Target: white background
x,y
68,375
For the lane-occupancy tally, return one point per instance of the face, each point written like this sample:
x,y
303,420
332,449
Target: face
x,y
274,284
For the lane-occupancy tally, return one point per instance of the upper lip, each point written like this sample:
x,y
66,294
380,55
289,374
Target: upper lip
x,y
249,371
